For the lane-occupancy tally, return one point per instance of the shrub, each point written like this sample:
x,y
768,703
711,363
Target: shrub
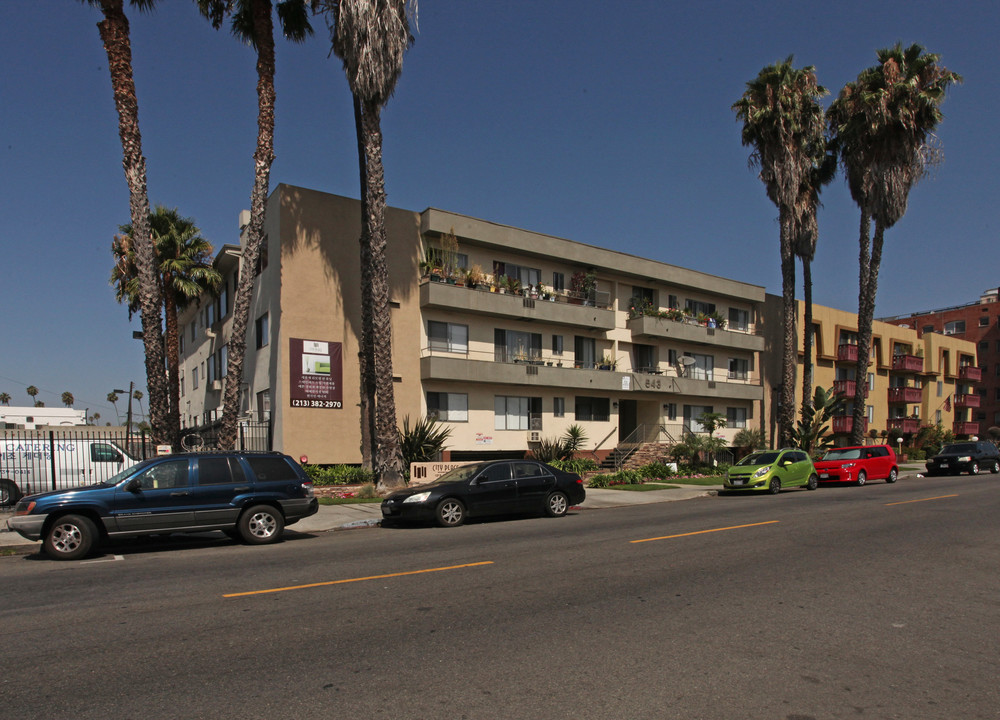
x,y
599,481
367,491
577,465
655,470
338,474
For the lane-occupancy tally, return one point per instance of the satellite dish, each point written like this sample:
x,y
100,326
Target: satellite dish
x,y
687,361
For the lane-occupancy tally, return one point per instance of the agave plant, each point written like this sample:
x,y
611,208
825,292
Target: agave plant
x,y
424,441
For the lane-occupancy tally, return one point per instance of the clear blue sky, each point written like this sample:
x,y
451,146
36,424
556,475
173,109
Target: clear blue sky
x,y
605,123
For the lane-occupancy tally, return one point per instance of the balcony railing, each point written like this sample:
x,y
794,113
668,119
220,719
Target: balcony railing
x,y
907,363
847,388
967,401
965,428
970,373
845,423
905,425
905,395
847,353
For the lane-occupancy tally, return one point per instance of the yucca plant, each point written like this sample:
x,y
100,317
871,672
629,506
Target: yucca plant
x,y
424,442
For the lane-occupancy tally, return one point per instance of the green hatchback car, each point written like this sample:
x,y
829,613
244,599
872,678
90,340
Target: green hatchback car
x,y
771,470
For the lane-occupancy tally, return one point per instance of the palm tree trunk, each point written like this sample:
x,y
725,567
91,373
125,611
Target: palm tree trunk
x,y
114,30
263,157
786,399
868,286
173,423
388,457
367,354
807,333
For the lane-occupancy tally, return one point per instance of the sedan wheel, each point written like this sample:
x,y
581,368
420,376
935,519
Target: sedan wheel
x,y
557,504
974,469
450,513
862,478
775,487
70,538
260,525
892,476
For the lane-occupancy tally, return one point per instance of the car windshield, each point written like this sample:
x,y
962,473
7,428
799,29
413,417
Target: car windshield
x,y
843,454
958,448
461,473
127,472
759,458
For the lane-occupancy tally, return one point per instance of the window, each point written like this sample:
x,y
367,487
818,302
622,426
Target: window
x,y
264,405
558,281
940,388
510,413
180,341
442,258
849,338
984,345
870,413
736,417
262,258
165,476
527,276
559,407
586,352
937,416
692,413
269,469
180,381
739,319
739,368
194,330
703,368
871,381
557,344
102,452
593,409
448,407
672,302
448,337
511,345
670,411
955,327
697,307
220,471
645,357
984,321
194,378
261,331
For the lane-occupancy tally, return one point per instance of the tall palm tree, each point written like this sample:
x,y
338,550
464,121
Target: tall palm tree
x,y
113,399
95,418
782,118
252,23
33,393
186,272
67,399
370,37
114,31
883,124
4,399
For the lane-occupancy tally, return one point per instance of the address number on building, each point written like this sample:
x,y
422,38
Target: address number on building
x,y
325,404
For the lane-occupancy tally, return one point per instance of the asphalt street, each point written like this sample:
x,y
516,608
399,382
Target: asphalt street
x,y
876,602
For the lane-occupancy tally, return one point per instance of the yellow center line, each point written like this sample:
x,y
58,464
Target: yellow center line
x,y
702,532
905,502
360,579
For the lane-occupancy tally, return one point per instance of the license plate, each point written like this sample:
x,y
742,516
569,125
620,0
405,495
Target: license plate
x,y
736,482
824,475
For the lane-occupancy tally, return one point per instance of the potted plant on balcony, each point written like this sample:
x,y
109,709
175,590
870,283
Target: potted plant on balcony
x,y
500,284
582,286
513,285
639,306
608,362
718,319
474,277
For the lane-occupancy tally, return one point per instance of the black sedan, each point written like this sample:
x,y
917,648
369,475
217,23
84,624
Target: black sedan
x,y
970,456
489,488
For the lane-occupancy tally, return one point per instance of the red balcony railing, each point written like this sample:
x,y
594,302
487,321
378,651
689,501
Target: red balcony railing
x,y
907,363
965,428
845,423
970,373
847,388
905,395
847,353
906,425
967,401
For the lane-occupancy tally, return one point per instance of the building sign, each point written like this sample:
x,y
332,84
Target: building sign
x,y
316,369
482,439
422,473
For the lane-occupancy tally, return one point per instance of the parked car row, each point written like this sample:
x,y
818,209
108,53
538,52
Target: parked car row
x,y
772,470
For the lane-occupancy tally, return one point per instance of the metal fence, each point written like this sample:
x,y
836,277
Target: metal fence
x,y
34,461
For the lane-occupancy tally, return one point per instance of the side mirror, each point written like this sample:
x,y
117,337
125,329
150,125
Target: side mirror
x,y
133,485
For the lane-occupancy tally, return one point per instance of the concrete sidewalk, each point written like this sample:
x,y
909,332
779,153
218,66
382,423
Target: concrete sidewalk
x,y
363,515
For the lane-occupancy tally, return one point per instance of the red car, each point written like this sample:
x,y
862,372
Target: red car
x,y
858,465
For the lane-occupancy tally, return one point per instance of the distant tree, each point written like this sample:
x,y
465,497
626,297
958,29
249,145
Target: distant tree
x,y
114,30
781,117
113,399
711,421
67,399
95,417
883,126
4,399
252,23
749,439
137,396
33,393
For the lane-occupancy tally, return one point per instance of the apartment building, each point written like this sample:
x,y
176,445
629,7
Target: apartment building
x,y
979,323
912,379
505,335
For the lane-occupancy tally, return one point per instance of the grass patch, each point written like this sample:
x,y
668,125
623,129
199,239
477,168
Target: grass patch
x,y
703,481
644,487
347,501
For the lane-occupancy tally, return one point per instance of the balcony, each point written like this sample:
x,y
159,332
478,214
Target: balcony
x,y
967,401
847,353
558,311
844,424
906,395
965,428
904,425
688,332
907,363
847,388
971,373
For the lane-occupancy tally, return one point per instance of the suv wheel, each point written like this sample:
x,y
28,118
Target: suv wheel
x,y
892,476
70,538
973,468
261,524
995,468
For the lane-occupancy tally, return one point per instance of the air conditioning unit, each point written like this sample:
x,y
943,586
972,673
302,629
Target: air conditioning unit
x,y
216,385
534,436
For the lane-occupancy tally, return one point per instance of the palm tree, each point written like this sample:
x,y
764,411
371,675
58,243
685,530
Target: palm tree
x,y
33,392
252,23
113,399
883,125
67,399
95,417
137,394
186,272
782,118
4,398
114,30
370,37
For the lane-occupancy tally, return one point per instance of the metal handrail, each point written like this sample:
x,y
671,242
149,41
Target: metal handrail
x,y
598,445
